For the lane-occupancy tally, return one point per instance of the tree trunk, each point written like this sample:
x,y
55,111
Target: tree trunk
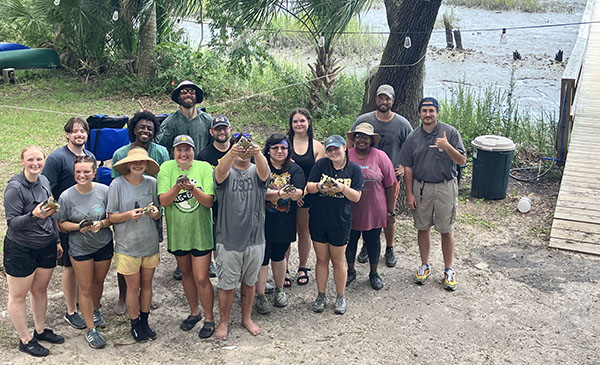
x,y
324,74
147,43
415,18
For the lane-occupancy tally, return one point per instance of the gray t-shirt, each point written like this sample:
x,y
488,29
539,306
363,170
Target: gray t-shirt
x,y
138,239
431,164
75,207
393,133
241,216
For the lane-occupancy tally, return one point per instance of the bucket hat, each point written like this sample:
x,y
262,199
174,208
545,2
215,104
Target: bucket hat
x,y
367,129
185,84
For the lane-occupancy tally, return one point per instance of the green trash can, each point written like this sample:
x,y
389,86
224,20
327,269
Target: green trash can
x,y
492,157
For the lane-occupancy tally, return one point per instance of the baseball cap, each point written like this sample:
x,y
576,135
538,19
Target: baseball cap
x,y
335,141
218,121
429,101
183,139
387,90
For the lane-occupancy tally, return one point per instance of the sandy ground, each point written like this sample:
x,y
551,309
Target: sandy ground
x,y
517,302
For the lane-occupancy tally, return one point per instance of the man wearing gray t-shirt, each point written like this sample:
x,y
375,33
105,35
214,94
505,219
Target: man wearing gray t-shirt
x,y
241,187
393,129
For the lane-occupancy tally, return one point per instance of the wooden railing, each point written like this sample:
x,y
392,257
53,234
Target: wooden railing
x,y
569,83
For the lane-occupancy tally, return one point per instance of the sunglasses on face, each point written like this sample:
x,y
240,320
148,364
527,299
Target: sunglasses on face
x,y
188,91
277,148
247,135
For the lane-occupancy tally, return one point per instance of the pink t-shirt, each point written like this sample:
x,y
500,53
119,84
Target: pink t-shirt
x,y
378,172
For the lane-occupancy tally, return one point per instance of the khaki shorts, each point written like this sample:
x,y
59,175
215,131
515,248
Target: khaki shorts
x,y
129,265
235,266
436,205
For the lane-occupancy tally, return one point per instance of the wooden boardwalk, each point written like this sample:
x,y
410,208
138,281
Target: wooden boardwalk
x,y
576,224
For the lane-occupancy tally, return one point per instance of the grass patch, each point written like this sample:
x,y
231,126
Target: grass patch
x,y
528,6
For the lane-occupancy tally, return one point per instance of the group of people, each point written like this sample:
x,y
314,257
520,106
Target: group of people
x,y
223,198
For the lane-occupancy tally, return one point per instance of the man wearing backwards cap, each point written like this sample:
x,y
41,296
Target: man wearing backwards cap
x,y
187,120
430,157
393,129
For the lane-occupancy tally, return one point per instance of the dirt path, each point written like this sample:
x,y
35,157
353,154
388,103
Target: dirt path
x,y
517,302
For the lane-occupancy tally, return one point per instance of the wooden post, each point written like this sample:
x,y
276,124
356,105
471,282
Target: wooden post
x,y
457,39
448,27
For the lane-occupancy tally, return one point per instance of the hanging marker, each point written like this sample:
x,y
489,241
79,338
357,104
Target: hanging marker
x,y
322,40
56,2
503,36
115,16
407,42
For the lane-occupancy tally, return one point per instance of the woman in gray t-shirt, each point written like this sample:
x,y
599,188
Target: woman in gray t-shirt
x,y
83,215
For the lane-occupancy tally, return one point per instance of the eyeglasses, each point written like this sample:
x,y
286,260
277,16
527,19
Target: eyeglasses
x,y
277,148
237,135
361,136
188,91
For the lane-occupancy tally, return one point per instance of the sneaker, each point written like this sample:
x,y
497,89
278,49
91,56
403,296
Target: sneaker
x,y
48,335
95,339
212,270
269,288
190,322
375,280
177,273
262,304
281,300
75,320
390,258
33,348
320,303
449,279
351,277
362,255
137,332
99,319
422,274
340,305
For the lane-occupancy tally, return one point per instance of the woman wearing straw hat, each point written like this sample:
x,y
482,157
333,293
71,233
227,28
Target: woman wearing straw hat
x,y
132,207
375,209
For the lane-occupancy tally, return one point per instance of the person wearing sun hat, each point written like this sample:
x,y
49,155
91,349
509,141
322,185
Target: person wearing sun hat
x,y
187,120
372,212
133,209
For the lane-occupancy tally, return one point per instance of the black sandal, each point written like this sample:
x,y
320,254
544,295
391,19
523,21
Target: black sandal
x,y
301,278
207,330
287,282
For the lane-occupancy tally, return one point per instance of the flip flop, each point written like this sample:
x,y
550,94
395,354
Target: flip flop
x,y
287,282
303,279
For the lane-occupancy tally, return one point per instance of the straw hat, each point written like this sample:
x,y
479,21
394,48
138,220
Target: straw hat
x,y
364,128
136,154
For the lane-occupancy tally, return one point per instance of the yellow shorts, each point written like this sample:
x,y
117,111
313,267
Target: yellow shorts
x,y
129,265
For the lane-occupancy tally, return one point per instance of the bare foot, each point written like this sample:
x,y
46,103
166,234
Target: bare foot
x,y
221,332
251,327
120,308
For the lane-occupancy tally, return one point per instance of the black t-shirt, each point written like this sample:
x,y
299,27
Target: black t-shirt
x,y
211,155
334,210
280,221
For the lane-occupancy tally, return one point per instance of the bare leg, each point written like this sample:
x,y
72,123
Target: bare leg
x,y
225,303
133,295
278,268
322,267
84,270
100,270
146,289
338,260
189,285
39,297
69,286
424,243
448,249
17,304
204,287
262,279
247,301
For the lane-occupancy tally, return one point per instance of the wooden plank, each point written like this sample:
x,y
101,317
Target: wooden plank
x,y
579,215
576,226
576,236
574,246
578,205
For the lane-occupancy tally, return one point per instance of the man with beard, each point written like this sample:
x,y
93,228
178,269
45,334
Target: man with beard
x,y
187,120
141,129
59,171
393,129
430,157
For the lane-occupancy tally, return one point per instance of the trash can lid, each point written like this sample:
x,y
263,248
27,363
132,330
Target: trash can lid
x,y
493,143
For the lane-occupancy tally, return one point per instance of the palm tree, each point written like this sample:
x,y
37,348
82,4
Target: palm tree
x,y
323,20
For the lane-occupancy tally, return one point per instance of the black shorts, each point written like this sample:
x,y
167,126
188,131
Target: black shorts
x,y
307,200
21,261
64,260
194,252
335,236
103,254
275,251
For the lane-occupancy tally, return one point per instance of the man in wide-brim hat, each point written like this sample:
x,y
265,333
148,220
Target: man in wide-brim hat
x,y
187,120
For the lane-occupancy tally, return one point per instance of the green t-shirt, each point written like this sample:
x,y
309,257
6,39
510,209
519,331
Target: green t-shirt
x,y
189,223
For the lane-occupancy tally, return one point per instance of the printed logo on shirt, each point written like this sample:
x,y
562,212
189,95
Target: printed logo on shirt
x,y
97,211
277,182
343,181
242,186
185,201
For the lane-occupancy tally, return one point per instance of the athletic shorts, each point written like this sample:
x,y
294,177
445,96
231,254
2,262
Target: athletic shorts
x,y
194,252
236,266
21,261
436,205
275,251
65,259
335,236
129,265
103,254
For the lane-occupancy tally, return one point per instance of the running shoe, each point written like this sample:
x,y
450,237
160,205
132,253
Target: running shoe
x,y
95,339
281,300
48,335
390,257
99,319
262,304
137,332
33,348
375,280
351,277
320,303
75,320
340,305
422,274
449,279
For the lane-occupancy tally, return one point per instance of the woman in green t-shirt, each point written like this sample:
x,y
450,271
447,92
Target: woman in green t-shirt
x,y
186,191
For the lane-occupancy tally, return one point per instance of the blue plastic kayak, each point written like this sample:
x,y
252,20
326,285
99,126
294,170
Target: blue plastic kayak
x,y
11,46
29,58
